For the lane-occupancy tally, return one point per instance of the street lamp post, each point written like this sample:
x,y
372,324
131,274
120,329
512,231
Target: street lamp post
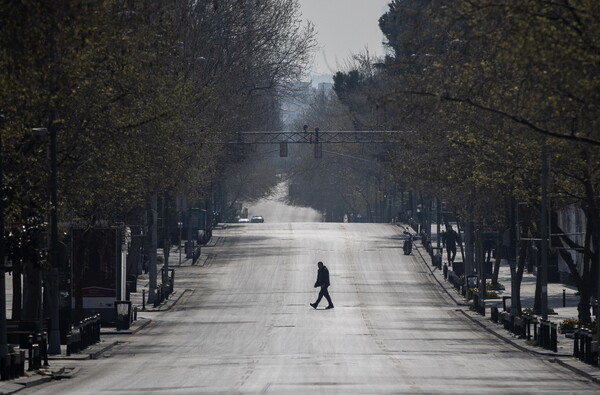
x,y
3,340
545,230
54,340
180,226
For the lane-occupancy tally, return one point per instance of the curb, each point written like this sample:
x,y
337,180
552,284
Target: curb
x,y
576,370
29,382
95,355
82,356
164,307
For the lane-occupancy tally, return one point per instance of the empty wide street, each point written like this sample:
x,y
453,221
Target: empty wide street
x,y
243,324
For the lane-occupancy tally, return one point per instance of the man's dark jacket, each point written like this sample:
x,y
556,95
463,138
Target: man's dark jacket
x,y
450,238
322,277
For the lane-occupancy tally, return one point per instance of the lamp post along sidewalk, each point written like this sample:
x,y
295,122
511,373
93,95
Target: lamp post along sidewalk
x,y
180,226
54,336
3,340
545,245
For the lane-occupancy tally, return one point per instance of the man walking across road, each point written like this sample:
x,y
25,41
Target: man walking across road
x,y
323,282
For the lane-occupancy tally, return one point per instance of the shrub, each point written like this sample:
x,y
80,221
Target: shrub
x,y
567,325
495,287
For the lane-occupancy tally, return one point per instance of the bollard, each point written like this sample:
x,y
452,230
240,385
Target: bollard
x,y
44,348
93,328
13,369
157,297
37,362
542,337
22,363
3,371
576,342
172,282
581,344
68,345
554,337
494,314
98,326
445,270
564,298
588,348
30,346
143,299
82,336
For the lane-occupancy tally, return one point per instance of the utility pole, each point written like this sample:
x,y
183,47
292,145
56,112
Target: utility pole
x,y
480,264
597,250
544,229
3,344
513,243
166,244
53,248
468,261
153,245
54,340
438,217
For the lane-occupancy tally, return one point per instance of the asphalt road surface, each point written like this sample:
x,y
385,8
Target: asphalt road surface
x,y
245,325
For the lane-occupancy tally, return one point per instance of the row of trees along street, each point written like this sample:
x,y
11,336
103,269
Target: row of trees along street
x,y
491,89
138,96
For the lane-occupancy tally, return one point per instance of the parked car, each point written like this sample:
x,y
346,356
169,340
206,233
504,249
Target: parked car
x,y
256,219
243,220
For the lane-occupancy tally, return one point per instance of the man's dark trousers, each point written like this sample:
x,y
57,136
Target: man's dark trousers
x,y
325,293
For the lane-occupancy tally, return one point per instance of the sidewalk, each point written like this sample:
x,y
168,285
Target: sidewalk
x,y
555,301
62,366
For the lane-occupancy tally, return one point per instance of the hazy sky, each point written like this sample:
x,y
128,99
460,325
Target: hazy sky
x,y
344,27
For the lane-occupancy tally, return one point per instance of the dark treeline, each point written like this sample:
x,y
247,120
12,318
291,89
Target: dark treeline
x,y
138,95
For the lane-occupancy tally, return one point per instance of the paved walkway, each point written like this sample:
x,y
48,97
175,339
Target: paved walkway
x,y
555,301
528,285
62,366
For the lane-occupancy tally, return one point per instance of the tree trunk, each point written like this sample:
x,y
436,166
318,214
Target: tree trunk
x,y
153,233
516,274
32,292
496,270
583,307
17,290
537,301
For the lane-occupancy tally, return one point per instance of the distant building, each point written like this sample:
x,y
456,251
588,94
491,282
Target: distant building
x,y
325,87
297,99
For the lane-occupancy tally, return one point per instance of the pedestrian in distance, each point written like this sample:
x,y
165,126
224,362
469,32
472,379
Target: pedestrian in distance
x,y
449,240
323,282
408,242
